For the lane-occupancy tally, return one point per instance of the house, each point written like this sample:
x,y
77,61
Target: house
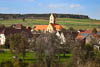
x,y
87,35
6,32
2,36
51,27
17,26
61,37
97,47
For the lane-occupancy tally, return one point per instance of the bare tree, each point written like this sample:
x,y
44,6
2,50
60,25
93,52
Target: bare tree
x,y
82,55
69,44
18,44
46,46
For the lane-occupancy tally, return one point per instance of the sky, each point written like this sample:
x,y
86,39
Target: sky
x,y
81,7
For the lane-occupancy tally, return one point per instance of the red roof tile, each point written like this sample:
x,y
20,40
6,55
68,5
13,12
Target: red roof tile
x,y
44,27
41,27
80,37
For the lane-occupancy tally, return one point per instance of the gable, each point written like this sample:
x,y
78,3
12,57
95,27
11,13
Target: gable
x,y
50,28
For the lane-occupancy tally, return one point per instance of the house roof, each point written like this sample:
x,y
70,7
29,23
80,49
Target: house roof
x,y
9,30
82,35
98,33
87,31
17,26
44,27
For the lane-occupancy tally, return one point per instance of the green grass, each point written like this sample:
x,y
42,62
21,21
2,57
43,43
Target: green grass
x,y
73,20
5,56
65,22
66,58
30,57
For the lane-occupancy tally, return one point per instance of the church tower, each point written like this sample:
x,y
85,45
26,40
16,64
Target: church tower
x,y
52,19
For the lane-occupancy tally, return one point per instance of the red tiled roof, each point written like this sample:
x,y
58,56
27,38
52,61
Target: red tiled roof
x,y
80,37
17,26
44,27
41,27
57,26
95,35
87,31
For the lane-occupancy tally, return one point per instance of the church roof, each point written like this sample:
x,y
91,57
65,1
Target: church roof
x,y
44,27
51,25
57,26
41,27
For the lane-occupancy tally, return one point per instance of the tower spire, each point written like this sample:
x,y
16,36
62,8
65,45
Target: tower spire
x,y
52,19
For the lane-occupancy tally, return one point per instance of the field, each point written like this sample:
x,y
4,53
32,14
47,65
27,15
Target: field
x,y
65,22
30,57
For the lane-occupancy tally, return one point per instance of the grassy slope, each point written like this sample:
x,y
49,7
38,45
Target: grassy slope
x,y
66,22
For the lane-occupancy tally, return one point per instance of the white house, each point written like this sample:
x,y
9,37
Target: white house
x,y
61,37
2,39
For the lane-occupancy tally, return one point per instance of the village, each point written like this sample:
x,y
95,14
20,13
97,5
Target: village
x,y
52,27
49,33
48,40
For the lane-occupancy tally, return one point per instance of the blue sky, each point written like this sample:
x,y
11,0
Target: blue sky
x,y
84,7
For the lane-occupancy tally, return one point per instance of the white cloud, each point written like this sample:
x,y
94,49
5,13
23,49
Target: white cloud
x,y
3,8
56,6
64,6
29,0
75,6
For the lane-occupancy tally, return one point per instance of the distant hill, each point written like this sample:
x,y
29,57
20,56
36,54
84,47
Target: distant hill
x,y
44,16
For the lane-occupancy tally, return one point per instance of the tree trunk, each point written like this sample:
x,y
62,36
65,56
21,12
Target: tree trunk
x,y
64,54
59,56
48,62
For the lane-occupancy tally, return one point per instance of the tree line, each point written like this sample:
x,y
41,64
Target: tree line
x,y
43,16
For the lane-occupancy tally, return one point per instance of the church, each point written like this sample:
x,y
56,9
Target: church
x,y
51,27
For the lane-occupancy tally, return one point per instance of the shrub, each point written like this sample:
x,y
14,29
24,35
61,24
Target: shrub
x,y
6,64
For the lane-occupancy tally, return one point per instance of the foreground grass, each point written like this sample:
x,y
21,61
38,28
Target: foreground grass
x,y
8,56
30,57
